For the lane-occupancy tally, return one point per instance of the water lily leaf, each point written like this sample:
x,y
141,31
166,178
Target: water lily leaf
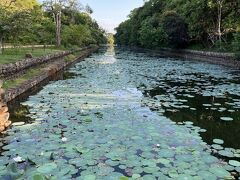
x,y
226,153
226,119
217,147
13,171
173,173
218,141
207,175
220,172
81,150
47,168
123,178
136,176
89,177
39,177
234,163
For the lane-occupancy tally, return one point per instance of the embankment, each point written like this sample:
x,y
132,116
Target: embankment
x,y
225,59
54,64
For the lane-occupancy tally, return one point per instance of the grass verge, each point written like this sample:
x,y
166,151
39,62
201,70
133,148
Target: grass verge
x,y
12,55
23,78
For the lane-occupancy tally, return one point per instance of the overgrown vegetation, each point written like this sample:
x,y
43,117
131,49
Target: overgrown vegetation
x,y
30,73
60,22
207,24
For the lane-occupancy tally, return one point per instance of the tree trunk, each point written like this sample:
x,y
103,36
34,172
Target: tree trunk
x,y
1,45
58,28
219,20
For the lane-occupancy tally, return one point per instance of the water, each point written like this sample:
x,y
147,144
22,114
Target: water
x,y
126,114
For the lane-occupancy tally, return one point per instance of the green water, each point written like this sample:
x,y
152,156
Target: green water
x,y
115,116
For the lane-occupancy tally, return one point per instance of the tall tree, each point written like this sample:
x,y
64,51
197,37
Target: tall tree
x,y
56,7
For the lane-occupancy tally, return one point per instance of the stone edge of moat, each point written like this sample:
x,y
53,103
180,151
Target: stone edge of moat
x,y
224,59
10,69
50,70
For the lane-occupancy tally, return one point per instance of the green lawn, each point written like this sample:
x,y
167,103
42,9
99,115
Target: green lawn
x,y
15,54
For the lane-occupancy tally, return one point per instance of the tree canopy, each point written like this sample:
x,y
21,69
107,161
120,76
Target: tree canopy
x,y
28,22
177,23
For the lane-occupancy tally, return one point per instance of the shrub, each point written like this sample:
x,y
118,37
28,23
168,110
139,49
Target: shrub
x,y
236,42
175,28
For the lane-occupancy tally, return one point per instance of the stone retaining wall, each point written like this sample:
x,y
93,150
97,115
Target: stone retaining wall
x,y
4,114
225,59
10,69
50,70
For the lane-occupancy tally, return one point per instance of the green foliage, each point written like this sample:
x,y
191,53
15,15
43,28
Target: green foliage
x,y
70,57
21,79
175,28
236,42
151,36
76,35
27,22
110,38
178,23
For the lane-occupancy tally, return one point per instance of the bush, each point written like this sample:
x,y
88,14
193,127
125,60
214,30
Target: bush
x,y
79,35
236,42
175,28
152,36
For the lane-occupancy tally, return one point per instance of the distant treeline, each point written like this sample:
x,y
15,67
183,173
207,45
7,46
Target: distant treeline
x,y
183,23
60,22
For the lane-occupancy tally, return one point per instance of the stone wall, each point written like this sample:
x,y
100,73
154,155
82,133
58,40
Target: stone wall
x,y
10,69
4,114
48,71
225,59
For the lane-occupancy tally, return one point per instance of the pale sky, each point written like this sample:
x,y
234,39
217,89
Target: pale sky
x,y
110,13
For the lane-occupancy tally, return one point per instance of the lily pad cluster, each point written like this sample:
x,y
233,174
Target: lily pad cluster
x,y
100,126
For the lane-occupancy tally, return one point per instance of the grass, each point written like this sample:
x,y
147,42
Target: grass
x,y
21,79
70,57
12,55
33,72
29,74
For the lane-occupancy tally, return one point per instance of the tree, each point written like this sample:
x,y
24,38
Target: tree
x,y
88,9
201,23
175,28
110,38
220,5
3,27
56,7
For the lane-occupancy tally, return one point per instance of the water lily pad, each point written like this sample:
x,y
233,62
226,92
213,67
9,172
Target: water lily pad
x,y
220,172
206,175
226,119
237,169
166,153
234,163
218,141
173,174
136,176
163,161
226,153
89,177
217,147
47,168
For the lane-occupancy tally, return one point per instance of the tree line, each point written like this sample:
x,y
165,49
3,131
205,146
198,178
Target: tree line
x,y
179,24
60,22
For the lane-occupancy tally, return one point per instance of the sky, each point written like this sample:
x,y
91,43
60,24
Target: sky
x,y
110,13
